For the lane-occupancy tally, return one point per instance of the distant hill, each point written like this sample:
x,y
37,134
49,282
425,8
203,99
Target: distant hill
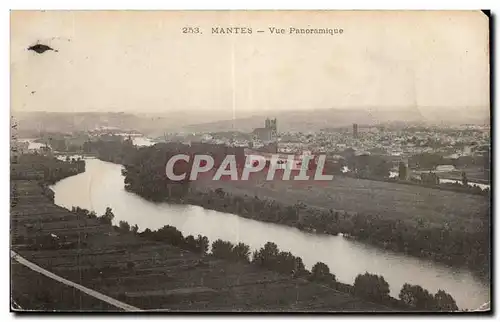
x,y
310,120
156,124
314,120
31,123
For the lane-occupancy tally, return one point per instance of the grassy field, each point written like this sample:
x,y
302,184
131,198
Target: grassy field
x,y
145,274
390,200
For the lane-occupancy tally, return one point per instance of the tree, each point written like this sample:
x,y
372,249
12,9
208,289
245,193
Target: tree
x,y
429,178
108,216
202,244
220,192
371,286
465,181
241,252
170,235
426,160
190,243
124,226
222,249
445,302
285,262
381,168
321,273
417,297
299,270
134,229
267,254
403,171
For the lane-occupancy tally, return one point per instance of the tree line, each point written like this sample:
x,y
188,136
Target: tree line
x,y
144,172
451,244
44,168
368,286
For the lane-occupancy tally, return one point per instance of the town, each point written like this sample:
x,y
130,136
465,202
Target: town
x,y
451,154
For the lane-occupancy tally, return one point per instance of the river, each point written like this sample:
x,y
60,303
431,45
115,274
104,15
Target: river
x,y
483,186
101,186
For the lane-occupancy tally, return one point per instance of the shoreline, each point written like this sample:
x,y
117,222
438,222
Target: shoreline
x,y
241,202
434,257
105,255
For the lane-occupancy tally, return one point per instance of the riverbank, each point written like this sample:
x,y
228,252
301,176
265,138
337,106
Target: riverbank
x,y
383,214
372,229
445,226
98,256
429,223
102,185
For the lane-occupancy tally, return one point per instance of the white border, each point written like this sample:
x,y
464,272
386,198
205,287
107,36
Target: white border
x,y
190,5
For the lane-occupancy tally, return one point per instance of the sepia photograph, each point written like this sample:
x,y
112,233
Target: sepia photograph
x,y
246,161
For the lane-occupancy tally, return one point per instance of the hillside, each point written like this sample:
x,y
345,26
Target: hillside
x,y
156,124
145,274
314,120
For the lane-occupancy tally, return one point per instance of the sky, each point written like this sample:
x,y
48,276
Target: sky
x,y
140,61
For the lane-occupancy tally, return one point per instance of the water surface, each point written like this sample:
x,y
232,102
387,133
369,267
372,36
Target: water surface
x,y
102,186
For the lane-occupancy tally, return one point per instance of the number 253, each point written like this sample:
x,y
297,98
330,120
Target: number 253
x,y
191,30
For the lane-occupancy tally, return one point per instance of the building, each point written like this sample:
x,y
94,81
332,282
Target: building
x,y
263,134
284,160
272,124
355,130
267,133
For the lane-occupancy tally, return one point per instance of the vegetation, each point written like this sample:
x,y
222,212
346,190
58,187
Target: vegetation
x,y
124,226
284,262
320,272
403,171
108,216
44,169
366,165
172,236
268,256
465,181
14,195
445,302
426,161
226,250
453,244
448,244
368,286
419,298
371,286
431,180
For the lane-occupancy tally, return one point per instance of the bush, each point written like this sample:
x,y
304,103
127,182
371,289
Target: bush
x,y
202,243
108,216
285,262
241,252
371,286
417,297
124,226
321,273
445,302
266,254
170,235
222,249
